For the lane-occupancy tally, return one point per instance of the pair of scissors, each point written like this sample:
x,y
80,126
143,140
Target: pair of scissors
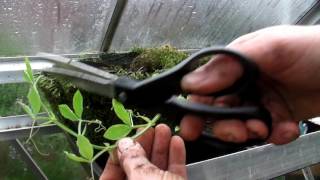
x,y
160,93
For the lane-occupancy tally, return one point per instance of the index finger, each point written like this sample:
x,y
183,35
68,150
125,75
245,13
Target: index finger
x,y
218,74
112,170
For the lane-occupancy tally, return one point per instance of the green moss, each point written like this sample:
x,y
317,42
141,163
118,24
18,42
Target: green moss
x,y
155,59
137,50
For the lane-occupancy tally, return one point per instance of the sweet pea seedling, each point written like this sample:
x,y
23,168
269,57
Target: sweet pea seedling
x,y
75,114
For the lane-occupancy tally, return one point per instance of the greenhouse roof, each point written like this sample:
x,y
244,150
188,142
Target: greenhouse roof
x,y
73,27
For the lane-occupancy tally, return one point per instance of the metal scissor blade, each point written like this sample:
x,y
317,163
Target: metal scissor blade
x,y
84,76
66,63
91,83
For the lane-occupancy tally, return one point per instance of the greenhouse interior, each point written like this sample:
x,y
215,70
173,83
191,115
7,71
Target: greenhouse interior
x,y
57,58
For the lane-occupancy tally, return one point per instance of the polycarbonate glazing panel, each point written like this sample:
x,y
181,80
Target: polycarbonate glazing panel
x,y
52,159
49,156
195,24
9,95
59,26
12,166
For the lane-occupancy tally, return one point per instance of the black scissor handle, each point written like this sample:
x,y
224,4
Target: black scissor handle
x,y
212,113
218,113
159,90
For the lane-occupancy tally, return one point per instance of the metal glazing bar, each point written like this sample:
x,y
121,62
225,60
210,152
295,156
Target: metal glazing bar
x,y
113,24
12,71
311,16
307,173
26,157
264,162
75,56
11,68
14,133
13,127
19,121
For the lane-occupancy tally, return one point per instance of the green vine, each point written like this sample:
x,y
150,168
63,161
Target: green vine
x,y
74,114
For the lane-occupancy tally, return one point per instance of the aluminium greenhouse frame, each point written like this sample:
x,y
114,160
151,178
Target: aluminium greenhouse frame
x,y
263,162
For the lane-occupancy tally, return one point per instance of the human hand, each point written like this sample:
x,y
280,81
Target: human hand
x,y
289,61
155,155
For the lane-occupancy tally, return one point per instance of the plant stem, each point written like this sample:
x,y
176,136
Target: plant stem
x,y
65,128
46,123
149,125
91,168
143,118
91,122
84,130
108,148
42,118
98,147
94,122
139,126
37,149
31,131
79,126
32,135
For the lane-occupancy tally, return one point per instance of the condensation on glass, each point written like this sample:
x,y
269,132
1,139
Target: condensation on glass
x,y
189,24
10,95
59,26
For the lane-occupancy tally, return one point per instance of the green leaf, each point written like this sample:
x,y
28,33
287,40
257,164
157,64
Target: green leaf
x,y
34,100
145,118
78,104
67,113
121,112
85,147
27,109
28,68
26,77
75,157
117,131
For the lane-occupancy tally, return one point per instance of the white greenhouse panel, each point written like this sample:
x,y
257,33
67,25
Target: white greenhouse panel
x,y
58,26
189,24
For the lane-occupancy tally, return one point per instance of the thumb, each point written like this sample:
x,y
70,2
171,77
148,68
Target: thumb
x,y
135,163
220,73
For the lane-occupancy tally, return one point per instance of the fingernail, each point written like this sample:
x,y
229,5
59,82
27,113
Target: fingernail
x,y
125,143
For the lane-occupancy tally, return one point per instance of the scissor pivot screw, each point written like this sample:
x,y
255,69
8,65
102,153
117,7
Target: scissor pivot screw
x,y
123,97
